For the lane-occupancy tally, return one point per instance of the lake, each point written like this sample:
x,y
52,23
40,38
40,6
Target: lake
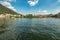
x,y
30,29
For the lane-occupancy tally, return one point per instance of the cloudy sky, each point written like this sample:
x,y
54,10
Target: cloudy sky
x,y
33,6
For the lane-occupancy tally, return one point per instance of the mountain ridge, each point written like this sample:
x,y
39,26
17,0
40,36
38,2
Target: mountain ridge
x,y
5,10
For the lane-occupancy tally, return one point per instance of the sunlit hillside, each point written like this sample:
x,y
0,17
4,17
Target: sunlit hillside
x,y
4,10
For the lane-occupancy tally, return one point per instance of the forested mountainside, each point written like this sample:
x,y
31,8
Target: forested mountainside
x,y
4,10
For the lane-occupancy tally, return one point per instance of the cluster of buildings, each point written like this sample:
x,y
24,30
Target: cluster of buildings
x,y
9,15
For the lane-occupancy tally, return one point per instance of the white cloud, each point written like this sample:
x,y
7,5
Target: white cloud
x,y
7,4
58,0
56,11
44,12
9,0
32,3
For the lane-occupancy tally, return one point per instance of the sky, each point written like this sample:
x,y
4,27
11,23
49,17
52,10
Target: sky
x,y
33,6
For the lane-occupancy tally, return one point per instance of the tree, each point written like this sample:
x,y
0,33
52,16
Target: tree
x,y
29,16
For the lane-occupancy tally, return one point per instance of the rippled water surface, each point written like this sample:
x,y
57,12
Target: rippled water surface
x,y
30,29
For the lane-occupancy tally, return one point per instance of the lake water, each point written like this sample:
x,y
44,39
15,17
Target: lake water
x,y
30,29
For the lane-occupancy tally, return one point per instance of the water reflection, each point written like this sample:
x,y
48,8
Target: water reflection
x,y
6,24
30,29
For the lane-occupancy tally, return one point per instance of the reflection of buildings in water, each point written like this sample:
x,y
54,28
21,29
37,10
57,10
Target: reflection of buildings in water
x,y
6,24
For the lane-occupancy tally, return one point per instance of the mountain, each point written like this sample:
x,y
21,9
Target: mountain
x,y
5,10
57,15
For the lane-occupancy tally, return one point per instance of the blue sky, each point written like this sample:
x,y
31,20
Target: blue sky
x,y
33,6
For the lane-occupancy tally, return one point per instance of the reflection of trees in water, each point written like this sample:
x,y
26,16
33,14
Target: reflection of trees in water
x,y
35,36
26,33
5,24
5,29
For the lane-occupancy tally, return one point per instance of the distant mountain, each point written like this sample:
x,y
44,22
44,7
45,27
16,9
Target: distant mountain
x,y
5,10
55,15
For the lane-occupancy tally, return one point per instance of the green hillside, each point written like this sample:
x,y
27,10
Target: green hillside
x,y
4,10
